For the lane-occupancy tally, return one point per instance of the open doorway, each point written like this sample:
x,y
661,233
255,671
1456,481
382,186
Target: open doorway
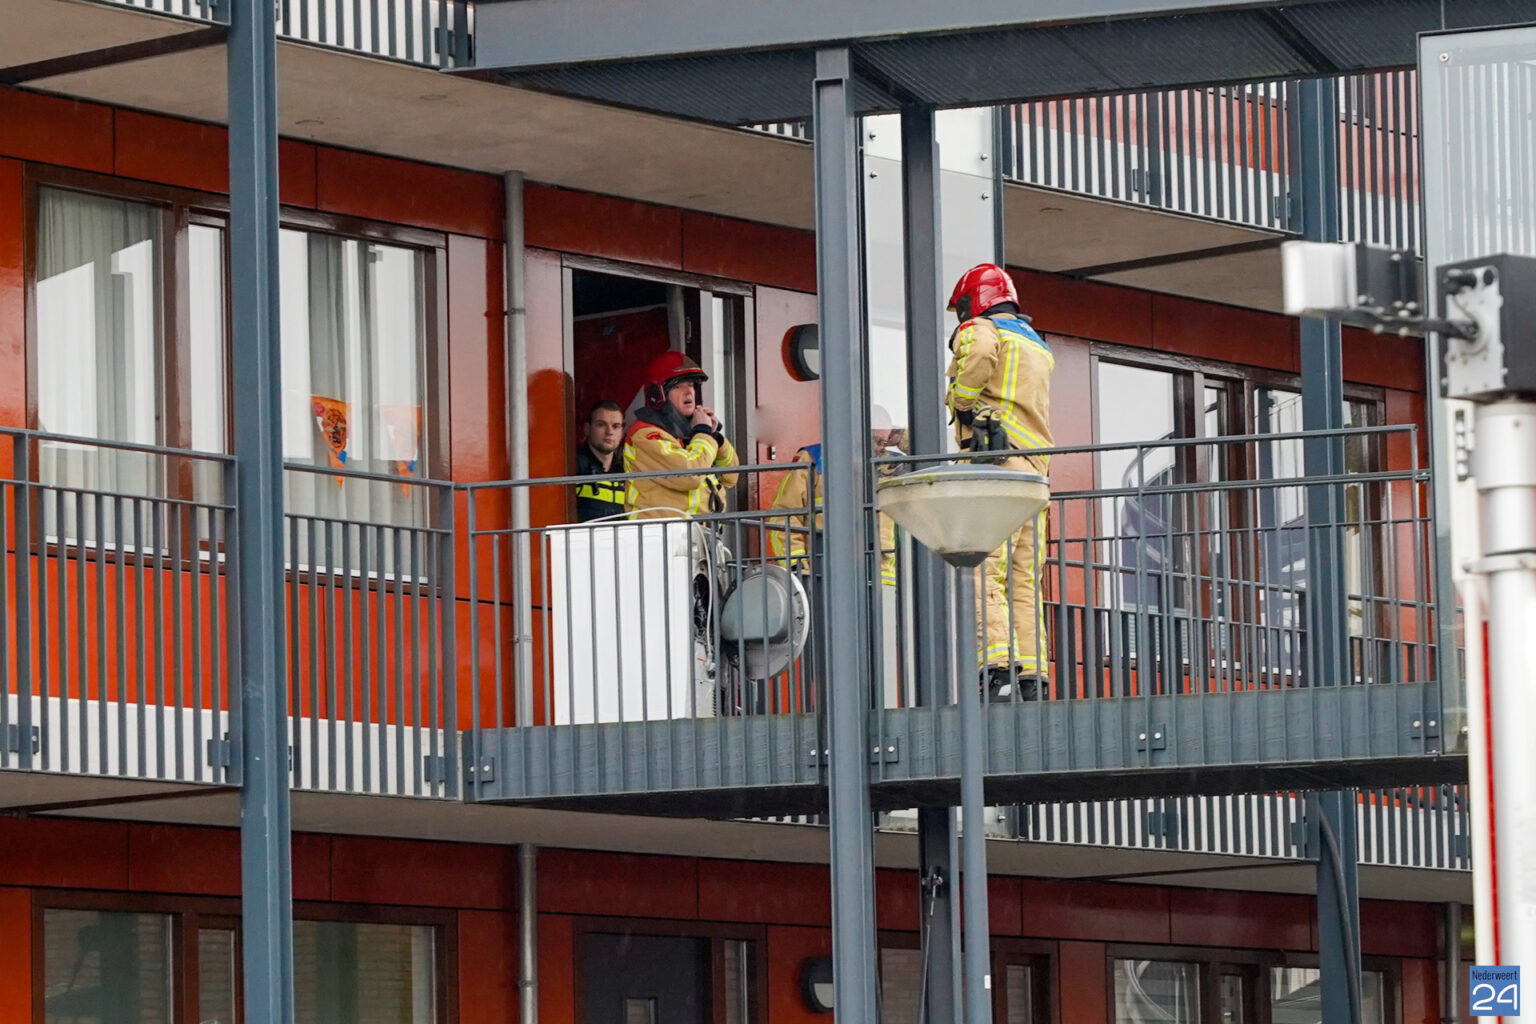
x,y
620,323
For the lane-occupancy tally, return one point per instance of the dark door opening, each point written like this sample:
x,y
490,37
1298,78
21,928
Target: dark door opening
x,y
646,979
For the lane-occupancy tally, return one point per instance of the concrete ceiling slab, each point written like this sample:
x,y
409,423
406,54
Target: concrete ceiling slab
x,y
1251,279
446,821
37,30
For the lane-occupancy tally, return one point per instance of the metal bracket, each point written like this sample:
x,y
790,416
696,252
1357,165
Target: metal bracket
x,y
888,752
1461,847
221,753
1424,727
1153,737
1301,835
13,740
434,769
483,770
1163,823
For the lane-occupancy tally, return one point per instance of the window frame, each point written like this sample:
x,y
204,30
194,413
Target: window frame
x,y
1255,964
189,914
180,208
1037,954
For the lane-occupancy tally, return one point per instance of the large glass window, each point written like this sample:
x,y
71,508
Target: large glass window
x,y
354,381
1156,992
102,967
98,321
347,973
1295,996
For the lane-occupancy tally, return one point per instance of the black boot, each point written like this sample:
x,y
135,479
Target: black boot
x,y
1000,684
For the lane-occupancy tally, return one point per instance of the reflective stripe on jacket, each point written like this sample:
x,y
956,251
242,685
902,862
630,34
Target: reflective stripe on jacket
x,y
1002,367
691,489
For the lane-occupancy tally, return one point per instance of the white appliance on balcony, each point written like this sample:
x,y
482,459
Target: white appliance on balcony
x,y
629,620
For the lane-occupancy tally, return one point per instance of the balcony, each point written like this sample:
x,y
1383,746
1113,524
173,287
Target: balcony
x,y
1175,605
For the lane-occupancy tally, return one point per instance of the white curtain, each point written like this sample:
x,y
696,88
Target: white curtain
x,y
353,340
98,321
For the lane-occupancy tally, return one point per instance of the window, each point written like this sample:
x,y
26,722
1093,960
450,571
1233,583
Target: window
x,y
1156,992
106,967
347,973
1295,996
99,319
146,966
354,332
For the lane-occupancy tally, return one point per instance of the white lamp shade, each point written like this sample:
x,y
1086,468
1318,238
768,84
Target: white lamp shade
x,y
962,512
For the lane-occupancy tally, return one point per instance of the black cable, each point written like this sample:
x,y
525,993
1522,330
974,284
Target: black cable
x,y
1346,921
931,886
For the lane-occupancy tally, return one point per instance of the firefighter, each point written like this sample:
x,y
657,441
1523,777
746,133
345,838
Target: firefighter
x,y
1000,394
794,492
602,433
676,432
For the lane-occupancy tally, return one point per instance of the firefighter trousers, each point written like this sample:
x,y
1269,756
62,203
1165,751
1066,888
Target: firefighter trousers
x,y
1010,622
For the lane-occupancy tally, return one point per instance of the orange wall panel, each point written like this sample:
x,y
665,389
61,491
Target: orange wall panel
x,y
64,854
787,412
1005,904
487,967
746,251
1112,913
13,292
296,172
1082,985
897,901
594,225
1383,360
16,964
53,130
311,866
1400,929
1421,992
423,874
1210,331
1086,309
403,192
1204,917
736,890
171,151
788,948
557,969
199,861
618,884
476,361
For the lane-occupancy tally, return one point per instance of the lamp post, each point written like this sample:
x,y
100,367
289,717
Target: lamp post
x,y
963,513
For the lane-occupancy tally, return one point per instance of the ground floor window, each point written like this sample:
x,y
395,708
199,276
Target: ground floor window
x,y
1233,989
113,963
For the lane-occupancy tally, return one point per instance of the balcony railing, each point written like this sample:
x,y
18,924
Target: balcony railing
x,y
683,656
434,33
1176,604
1228,152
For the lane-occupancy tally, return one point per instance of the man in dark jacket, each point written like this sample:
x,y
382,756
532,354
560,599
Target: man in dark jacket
x,y
601,435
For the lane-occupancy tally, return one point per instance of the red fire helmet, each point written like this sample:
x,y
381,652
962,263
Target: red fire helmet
x,y
981,288
666,369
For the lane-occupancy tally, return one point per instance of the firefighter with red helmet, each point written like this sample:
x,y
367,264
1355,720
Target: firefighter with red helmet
x,y
677,433
1000,396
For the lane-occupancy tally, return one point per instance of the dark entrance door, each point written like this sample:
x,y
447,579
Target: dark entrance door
x,y
646,979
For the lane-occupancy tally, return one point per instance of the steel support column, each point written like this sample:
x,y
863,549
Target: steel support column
x,y
845,465
1328,660
973,813
929,586
265,830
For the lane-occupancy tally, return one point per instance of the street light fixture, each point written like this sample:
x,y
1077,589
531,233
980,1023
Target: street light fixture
x,y
963,513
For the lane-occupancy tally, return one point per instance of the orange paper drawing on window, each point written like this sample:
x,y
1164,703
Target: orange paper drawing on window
x,y
331,421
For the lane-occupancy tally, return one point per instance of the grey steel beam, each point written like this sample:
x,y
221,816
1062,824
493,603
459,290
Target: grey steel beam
x,y
261,734
1305,738
549,33
973,837
1332,819
921,231
1322,408
845,463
